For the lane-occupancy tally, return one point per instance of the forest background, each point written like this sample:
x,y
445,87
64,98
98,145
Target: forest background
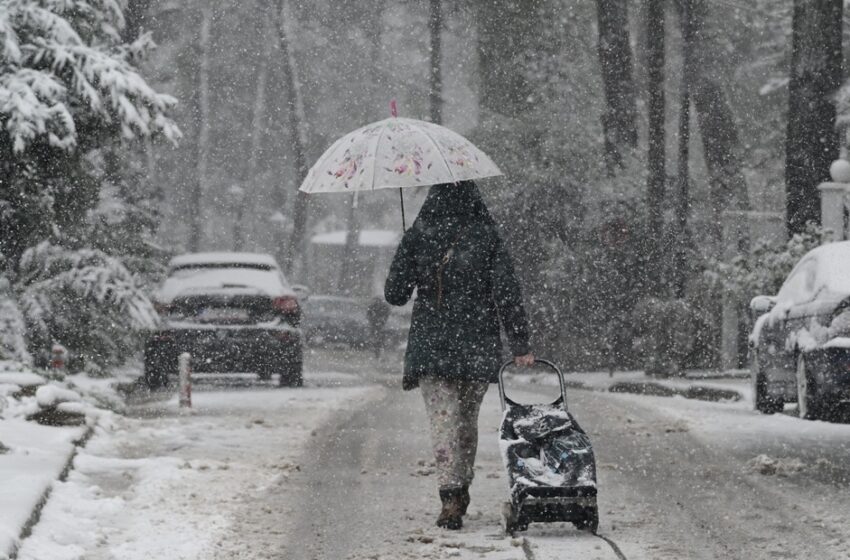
x,y
625,131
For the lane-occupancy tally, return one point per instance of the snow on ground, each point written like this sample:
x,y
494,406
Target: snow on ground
x,y
34,458
223,481
801,463
170,484
716,422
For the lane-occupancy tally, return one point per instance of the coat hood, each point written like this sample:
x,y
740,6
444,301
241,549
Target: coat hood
x,y
449,203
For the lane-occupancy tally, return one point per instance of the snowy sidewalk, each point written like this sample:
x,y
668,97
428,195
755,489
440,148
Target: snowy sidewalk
x,y
174,485
34,456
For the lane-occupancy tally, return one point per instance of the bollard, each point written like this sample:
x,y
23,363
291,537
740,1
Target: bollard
x,y
184,363
58,357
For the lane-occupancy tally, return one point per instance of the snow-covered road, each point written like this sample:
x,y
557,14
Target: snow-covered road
x,y
341,470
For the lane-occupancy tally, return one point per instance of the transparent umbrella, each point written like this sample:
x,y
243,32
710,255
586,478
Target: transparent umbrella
x,y
397,153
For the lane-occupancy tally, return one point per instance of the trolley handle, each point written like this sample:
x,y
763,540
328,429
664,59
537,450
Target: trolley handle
x,y
548,364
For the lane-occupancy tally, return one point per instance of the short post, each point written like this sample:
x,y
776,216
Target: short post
x,y
58,358
832,210
184,364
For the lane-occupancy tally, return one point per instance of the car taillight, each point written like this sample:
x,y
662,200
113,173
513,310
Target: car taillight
x,y
286,305
161,308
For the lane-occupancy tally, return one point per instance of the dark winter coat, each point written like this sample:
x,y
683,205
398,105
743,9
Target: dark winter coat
x,y
465,283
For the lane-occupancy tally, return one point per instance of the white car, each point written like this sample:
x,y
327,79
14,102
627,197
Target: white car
x,y
231,312
800,344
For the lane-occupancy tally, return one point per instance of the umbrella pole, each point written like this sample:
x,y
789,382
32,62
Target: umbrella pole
x,y
401,198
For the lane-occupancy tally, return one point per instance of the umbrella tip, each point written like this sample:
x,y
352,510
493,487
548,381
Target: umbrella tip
x,y
393,108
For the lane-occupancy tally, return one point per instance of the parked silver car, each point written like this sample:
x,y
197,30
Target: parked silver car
x,y
231,312
800,343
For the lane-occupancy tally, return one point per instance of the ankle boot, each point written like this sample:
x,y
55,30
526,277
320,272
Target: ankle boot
x,y
450,516
464,499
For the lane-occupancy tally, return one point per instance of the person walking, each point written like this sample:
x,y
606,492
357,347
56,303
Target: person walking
x,y
465,283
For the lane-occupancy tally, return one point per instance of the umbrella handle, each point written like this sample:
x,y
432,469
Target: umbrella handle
x,y
401,198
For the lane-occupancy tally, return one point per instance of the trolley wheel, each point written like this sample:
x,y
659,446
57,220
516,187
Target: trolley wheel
x,y
590,521
511,522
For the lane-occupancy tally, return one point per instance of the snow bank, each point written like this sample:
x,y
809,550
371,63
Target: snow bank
x,y
52,395
767,465
22,378
34,455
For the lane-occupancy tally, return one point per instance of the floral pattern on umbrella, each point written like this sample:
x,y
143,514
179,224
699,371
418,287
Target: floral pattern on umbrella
x,y
397,153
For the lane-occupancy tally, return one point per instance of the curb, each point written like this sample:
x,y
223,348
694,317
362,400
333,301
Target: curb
x,y
695,392
656,389
35,515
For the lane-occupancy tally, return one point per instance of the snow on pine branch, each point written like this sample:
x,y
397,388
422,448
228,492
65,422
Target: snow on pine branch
x,y
63,60
53,276
85,300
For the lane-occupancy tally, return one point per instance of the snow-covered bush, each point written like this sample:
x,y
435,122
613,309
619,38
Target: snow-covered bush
x,y
665,330
763,270
85,300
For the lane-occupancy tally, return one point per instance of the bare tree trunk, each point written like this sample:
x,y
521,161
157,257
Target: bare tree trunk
x,y
619,122
349,260
200,185
150,163
812,141
348,270
503,37
134,19
683,202
258,130
294,114
721,143
656,173
435,92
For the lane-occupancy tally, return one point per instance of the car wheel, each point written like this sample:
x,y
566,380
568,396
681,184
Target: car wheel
x,y
808,403
763,401
590,521
155,375
291,375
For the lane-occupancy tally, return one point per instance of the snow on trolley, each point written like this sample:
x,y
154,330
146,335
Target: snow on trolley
x,y
549,460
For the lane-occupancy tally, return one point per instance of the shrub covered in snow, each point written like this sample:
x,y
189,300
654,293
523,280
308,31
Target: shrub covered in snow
x,y
764,269
85,299
665,330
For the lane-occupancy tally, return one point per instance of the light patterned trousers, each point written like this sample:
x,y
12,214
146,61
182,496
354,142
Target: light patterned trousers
x,y
452,407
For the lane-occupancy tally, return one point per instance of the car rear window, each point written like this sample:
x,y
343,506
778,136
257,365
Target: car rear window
x,y
203,277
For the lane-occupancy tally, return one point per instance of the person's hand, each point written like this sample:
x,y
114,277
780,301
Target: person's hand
x,y
524,361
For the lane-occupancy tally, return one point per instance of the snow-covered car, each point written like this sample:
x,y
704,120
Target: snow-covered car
x,y
336,320
344,320
800,343
233,312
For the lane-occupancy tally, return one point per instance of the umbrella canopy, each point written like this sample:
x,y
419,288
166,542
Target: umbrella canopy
x,y
397,153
